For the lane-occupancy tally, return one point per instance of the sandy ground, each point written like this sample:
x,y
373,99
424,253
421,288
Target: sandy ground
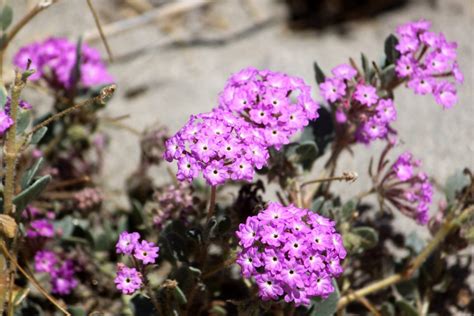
x,y
181,80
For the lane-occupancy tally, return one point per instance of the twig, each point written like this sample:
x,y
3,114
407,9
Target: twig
x,y
105,93
30,278
99,28
146,18
447,227
346,176
42,5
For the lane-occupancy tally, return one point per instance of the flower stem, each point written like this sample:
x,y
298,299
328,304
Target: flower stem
x,y
346,176
146,285
10,147
212,203
444,231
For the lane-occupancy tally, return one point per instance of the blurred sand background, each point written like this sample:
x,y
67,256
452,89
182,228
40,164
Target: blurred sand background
x,y
175,67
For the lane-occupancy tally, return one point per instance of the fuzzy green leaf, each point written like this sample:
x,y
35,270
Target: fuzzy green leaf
x,y
38,135
307,154
31,173
6,17
327,307
319,74
29,194
368,236
3,95
23,121
391,53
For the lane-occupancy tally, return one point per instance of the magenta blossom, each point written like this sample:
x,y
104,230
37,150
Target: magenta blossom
x,y
128,280
427,60
286,250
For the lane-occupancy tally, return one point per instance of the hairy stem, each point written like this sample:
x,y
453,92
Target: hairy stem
x,y
10,148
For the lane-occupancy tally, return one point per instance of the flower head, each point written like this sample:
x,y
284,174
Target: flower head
x,y
128,280
407,190
286,250
425,59
127,243
146,252
258,109
54,59
45,261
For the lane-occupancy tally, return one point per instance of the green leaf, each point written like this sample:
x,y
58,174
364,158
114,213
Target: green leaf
x,y
76,311
76,70
365,66
391,53
327,307
178,293
38,135
387,309
348,209
31,173
307,154
455,184
368,236
6,17
23,121
30,193
3,96
317,204
406,309
320,131
388,74
319,74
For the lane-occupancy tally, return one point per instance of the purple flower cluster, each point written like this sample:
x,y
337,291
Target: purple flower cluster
x,y
54,60
257,110
173,202
128,280
426,60
62,275
88,198
40,225
358,108
292,253
409,192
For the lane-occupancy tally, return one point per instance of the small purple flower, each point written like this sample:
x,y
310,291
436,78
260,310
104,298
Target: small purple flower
x,y
366,94
128,280
45,261
127,243
40,228
344,71
445,94
146,252
63,281
333,89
